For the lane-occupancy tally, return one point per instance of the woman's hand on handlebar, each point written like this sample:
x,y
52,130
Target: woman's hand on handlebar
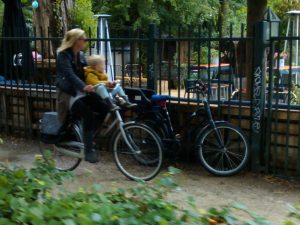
x,y
89,88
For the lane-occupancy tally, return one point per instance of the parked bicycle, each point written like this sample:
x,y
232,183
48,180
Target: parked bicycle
x,y
137,150
222,147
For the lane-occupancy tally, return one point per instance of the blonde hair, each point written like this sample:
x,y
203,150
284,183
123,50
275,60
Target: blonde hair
x,y
95,59
70,38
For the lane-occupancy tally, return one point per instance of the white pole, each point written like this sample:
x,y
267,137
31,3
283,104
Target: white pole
x,y
287,32
110,67
297,41
103,47
101,37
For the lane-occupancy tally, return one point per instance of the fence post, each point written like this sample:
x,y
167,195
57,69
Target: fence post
x,y
151,57
258,95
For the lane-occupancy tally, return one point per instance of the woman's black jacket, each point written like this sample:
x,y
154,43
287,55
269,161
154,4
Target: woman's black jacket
x,y
70,73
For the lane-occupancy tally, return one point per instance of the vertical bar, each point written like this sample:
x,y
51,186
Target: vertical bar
x,y
189,59
90,42
131,62
160,45
178,64
198,57
286,160
270,107
241,70
208,69
258,95
140,70
123,64
169,66
151,79
277,82
230,75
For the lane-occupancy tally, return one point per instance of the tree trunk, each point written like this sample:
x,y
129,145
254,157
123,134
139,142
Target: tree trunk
x,y
255,13
51,19
222,23
184,48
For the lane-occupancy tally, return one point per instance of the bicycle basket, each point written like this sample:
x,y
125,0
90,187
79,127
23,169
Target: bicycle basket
x,y
50,128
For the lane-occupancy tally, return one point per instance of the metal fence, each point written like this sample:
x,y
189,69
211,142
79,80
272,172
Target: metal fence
x,y
169,62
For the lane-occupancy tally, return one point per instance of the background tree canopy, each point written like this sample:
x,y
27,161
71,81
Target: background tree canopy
x,y
139,13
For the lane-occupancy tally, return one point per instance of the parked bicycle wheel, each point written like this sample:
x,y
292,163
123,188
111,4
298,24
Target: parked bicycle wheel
x,y
69,140
141,157
223,151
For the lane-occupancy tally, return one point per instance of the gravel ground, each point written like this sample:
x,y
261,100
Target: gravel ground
x,y
263,194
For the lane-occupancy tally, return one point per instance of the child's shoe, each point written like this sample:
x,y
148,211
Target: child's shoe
x,y
124,102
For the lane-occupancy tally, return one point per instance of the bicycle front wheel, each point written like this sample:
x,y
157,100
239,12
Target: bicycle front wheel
x,y
70,141
138,152
223,151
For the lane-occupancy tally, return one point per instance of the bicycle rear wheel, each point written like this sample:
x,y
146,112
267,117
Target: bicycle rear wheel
x,y
142,158
226,155
71,141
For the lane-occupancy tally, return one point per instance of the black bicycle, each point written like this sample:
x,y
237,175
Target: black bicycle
x,y
222,147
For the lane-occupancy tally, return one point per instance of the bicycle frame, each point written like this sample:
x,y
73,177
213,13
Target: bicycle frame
x,y
103,132
209,121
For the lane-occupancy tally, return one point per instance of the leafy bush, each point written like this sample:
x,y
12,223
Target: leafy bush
x,y
203,57
29,197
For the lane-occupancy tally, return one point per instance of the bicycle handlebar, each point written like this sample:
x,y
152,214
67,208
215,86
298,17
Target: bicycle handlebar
x,y
200,86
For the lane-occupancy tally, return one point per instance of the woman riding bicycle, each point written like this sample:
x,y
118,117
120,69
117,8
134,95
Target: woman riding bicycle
x,y
74,95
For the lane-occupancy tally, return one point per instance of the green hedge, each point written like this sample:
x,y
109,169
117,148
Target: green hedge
x,y
32,197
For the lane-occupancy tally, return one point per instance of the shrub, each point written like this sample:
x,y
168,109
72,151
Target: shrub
x,y
27,197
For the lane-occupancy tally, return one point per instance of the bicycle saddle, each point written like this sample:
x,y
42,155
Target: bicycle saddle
x,y
157,98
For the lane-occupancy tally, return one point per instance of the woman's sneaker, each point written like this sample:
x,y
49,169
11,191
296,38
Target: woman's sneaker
x,y
91,156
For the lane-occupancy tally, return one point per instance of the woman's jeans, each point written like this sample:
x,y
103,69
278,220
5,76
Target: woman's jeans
x,y
84,109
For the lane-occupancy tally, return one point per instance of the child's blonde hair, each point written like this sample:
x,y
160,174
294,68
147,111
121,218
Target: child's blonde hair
x,y
95,59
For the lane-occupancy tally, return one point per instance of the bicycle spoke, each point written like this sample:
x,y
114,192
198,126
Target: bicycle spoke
x,y
221,161
209,149
208,142
227,159
231,162
144,163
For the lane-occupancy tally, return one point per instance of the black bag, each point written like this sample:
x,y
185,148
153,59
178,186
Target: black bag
x,y
51,128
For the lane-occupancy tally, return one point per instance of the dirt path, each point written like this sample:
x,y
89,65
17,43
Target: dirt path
x,y
265,195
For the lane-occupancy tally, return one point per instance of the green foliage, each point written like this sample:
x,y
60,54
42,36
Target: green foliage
x,y
237,15
294,215
203,57
21,188
1,16
166,13
281,7
27,198
83,16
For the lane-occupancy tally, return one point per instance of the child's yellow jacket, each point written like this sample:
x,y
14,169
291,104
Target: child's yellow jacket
x,y
94,77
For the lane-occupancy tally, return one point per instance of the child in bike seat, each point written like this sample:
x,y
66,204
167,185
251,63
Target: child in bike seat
x,y
95,75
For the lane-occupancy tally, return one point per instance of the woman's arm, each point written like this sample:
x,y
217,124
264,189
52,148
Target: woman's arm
x,y
65,68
